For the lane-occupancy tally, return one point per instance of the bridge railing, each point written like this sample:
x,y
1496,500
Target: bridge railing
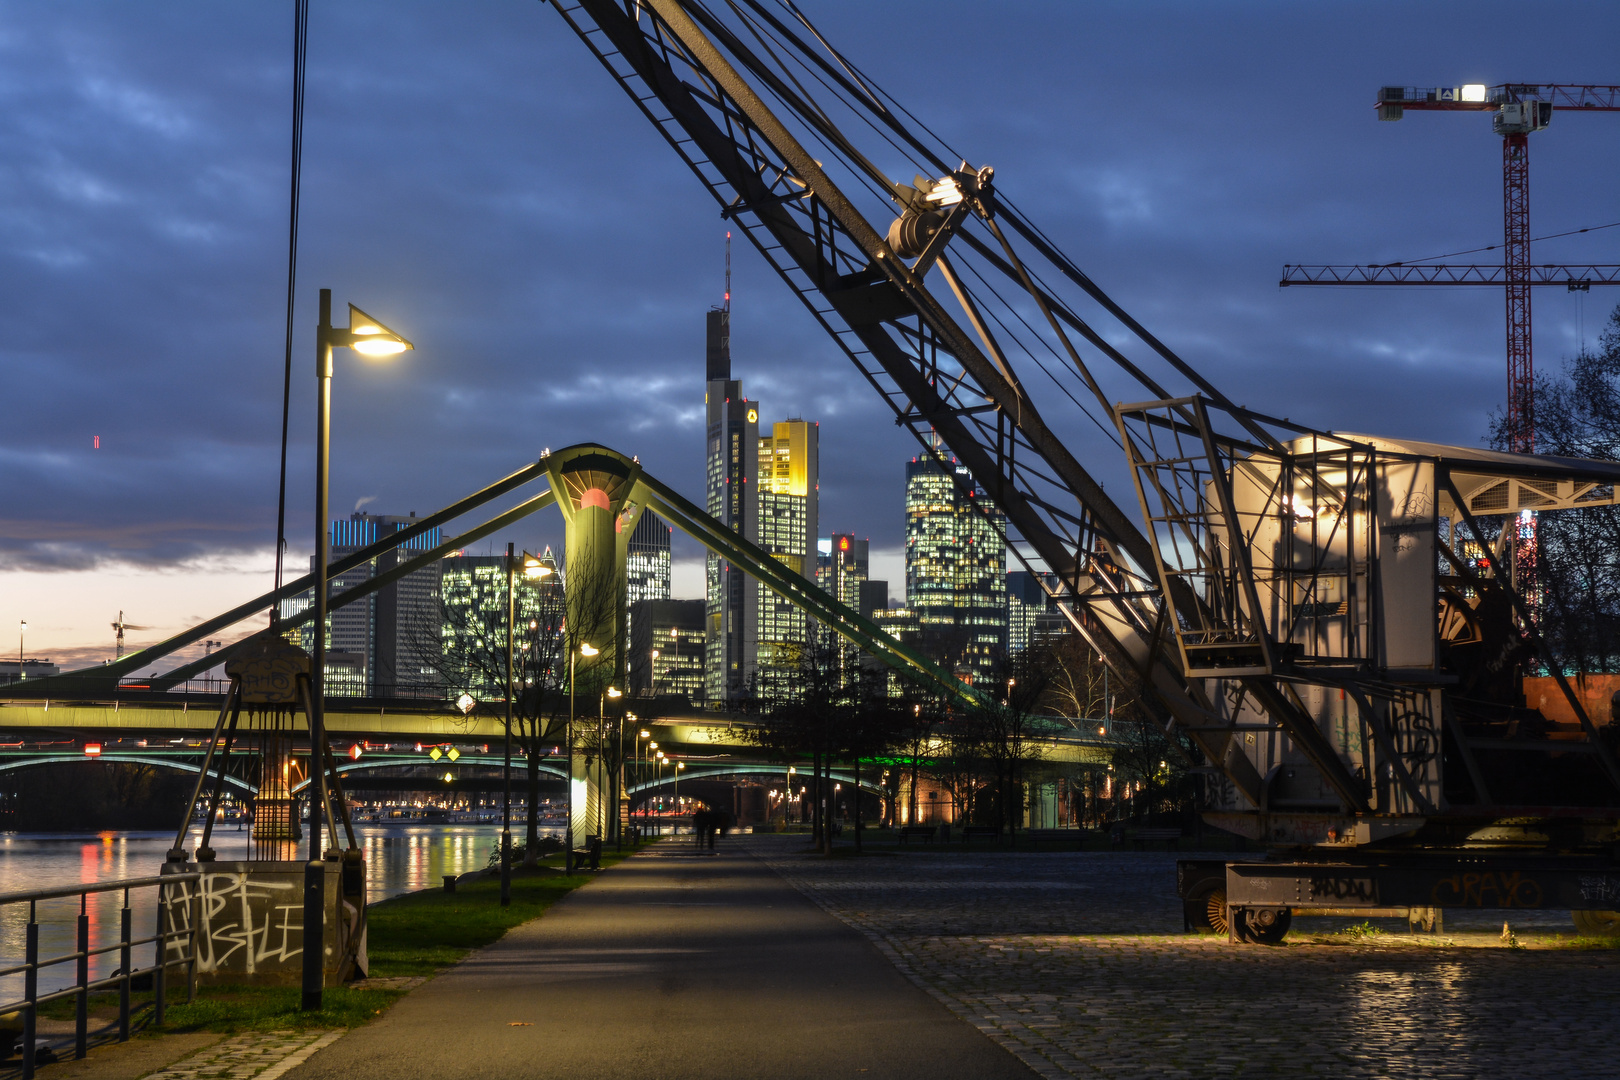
x,y
84,959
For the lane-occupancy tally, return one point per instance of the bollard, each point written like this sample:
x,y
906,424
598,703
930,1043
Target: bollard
x,y
125,957
81,1013
30,992
449,883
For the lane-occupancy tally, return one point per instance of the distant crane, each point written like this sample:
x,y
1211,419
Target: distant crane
x,y
1519,109
119,627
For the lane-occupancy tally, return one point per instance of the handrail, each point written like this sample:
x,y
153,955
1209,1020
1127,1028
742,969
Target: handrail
x,y
28,1005
105,886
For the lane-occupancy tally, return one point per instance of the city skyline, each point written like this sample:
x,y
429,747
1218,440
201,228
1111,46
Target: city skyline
x,y
145,257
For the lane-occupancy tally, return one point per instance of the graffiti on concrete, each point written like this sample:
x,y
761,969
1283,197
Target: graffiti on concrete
x,y
246,923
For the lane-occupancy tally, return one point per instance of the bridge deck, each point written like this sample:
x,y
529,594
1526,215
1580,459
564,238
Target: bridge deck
x,y
351,720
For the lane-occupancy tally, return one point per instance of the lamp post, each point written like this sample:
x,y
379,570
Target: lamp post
x,y
367,337
533,570
641,771
22,631
658,767
585,649
652,749
679,765
601,759
506,762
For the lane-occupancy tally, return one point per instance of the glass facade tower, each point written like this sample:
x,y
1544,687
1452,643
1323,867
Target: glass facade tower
x,y
385,644
956,567
731,478
788,495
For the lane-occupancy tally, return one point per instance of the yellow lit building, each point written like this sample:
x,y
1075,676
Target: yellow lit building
x,y
788,496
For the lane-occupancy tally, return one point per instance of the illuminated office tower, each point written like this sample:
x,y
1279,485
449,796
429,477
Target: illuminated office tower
x,y
385,644
666,649
846,568
788,496
473,618
1032,616
956,567
732,634
646,565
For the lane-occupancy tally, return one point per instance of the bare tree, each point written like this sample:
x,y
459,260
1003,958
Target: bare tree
x,y
1577,589
471,659
1077,680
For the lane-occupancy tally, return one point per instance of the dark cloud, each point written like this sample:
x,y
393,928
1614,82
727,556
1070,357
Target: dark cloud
x,y
475,179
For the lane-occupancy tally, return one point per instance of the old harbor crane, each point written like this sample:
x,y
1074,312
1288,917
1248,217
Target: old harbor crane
x,y
1276,601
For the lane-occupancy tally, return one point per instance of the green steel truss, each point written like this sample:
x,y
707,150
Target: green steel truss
x,y
648,492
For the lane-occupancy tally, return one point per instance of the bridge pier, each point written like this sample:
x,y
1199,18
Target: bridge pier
x,y
593,488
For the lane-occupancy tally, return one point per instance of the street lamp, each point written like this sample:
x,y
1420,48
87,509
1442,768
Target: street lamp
x,y
641,769
601,759
787,795
20,633
585,649
368,337
679,765
658,767
506,767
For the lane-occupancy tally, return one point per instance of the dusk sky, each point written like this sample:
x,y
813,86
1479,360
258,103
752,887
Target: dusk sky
x,y
474,178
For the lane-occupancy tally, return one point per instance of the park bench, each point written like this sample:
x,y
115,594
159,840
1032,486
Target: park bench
x,y
927,832
988,832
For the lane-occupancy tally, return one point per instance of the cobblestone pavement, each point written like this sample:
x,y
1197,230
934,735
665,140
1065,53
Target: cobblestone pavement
x,y
258,1055
1076,963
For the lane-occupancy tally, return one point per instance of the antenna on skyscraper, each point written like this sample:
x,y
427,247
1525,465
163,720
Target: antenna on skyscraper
x,y
727,308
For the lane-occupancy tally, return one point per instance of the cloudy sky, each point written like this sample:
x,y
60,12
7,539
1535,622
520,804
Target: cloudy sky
x,y
474,178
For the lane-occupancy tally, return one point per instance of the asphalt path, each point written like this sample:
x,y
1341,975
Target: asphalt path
x,y
667,967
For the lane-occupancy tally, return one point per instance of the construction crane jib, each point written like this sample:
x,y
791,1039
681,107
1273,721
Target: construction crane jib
x,y
1517,110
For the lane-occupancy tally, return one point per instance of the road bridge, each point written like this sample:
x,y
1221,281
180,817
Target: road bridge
x,y
411,744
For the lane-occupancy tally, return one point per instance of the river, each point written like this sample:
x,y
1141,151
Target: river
x,y
399,859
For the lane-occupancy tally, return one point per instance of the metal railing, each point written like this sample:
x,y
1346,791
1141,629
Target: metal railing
x,y
83,986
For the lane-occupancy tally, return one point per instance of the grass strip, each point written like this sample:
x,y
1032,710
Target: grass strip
x,y
416,934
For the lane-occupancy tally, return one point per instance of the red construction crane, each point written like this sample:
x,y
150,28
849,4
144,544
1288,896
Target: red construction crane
x,y
1518,109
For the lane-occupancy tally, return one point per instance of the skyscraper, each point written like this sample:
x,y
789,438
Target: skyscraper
x,y
666,648
732,638
473,618
788,497
647,565
1031,614
956,566
385,644
846,569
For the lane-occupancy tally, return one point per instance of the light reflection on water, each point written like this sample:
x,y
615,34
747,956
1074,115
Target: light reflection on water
x,y
399,859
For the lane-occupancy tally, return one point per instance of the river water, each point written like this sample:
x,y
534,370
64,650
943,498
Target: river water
x,y
399,859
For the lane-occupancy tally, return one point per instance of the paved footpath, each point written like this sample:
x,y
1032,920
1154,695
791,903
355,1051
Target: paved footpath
x,y
1075,962
671,966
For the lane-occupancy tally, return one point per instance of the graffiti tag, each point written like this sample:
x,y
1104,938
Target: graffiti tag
x,y
1362,890
1503,889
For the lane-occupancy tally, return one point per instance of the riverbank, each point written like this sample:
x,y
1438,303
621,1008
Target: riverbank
x,y
410,938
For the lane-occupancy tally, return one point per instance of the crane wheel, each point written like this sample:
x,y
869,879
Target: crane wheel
x,y
1215,913
1266,926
